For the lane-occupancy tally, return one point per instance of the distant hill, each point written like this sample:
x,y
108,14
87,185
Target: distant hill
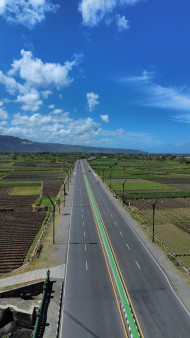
x,y
16,144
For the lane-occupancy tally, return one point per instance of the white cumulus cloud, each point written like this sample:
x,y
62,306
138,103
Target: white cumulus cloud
x,y
31,80
35,72
122,23
10,83
26,12
3,114
46,93
105,118
57,111
51,106
92,101
30,101
93,11
51,127
35,120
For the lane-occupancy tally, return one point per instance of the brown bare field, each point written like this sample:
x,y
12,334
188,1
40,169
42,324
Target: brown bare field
x,y
18,228
179,182
34,175
51,188
41,164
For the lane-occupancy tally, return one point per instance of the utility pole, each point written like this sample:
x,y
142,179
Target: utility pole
x,y
153,212
53,218
123,190
110,180
63,191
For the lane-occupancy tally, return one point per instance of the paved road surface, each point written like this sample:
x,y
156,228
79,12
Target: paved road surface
x,y
159,311
90,307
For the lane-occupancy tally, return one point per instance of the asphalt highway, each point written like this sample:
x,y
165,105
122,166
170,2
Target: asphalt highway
x,y
158,309
90,307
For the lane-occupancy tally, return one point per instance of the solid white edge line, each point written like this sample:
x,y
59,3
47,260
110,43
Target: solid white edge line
x,y
184,307
157,265
117,207
65,282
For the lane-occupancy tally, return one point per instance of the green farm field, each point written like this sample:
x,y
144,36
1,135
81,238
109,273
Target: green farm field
x,y
139,186
26,190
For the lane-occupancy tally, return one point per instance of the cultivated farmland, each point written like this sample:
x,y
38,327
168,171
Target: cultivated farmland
x,y
18,228
22,185
143,180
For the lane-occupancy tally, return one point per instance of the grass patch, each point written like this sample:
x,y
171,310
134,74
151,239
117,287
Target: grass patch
x,y
26,190
45,202
135,186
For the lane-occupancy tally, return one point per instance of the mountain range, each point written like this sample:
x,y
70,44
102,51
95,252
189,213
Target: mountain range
x,y
16,144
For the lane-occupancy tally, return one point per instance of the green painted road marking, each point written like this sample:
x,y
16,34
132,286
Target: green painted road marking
x,y
122,293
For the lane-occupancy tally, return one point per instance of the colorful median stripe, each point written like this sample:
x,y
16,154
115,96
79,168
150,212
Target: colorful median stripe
x,y
130,318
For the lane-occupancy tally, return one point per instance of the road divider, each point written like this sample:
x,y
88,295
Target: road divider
x,y
126,309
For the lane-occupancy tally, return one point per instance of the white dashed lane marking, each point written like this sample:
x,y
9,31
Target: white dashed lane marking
x,y
128,246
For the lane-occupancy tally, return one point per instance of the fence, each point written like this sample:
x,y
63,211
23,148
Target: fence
x,y
41,308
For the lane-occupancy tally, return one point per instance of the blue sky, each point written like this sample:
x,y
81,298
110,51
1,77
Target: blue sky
x,y
110,73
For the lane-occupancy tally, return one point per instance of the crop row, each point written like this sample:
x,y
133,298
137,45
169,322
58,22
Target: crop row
x,y
176,240
41,164
42,175
18,228
5,190
172,227
165,216
18,202
51,188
